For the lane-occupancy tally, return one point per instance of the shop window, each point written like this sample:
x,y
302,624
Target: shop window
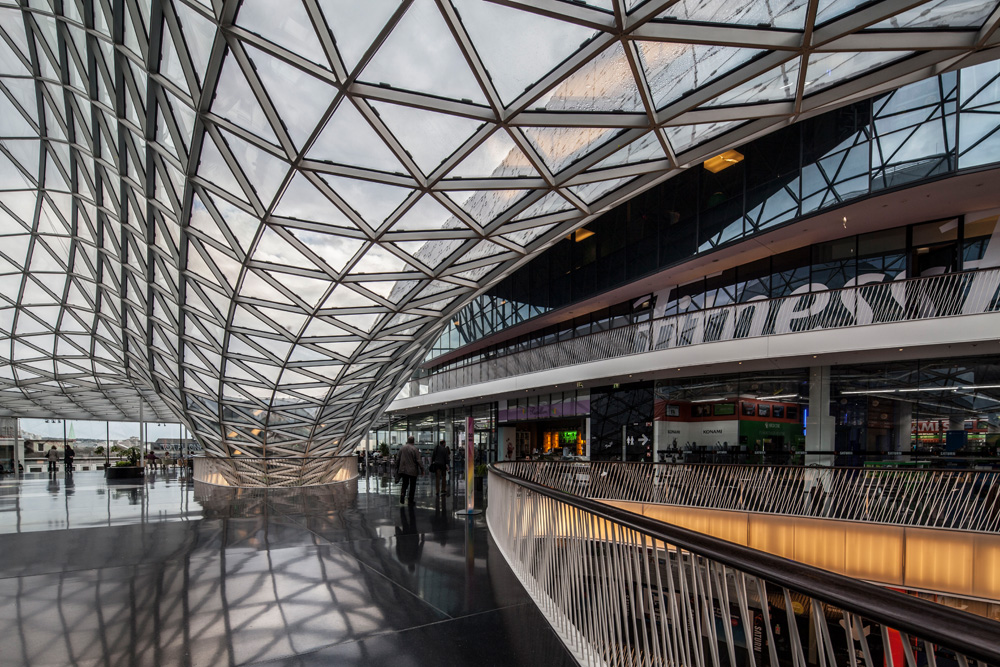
x,y
934,248
979,236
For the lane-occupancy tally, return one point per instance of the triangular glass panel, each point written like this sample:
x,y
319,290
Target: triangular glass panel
x,y
605,83
349,139
776,84
170,62
939,14
526,236
827,69
256,287
550,203
309,290
304,201
644,149
674,70
199,33
827,10
243,225
343,296
214,169
790,14
335,250
320,328
364,322
428,214
387,289
497,157
287,86
290,28
485,205
591,192
421,55
374,202
428,136
23,91
431,253
355,25
10,63
11,178
684,137
276,250
561,146
379,260
235,100
264,171
517,47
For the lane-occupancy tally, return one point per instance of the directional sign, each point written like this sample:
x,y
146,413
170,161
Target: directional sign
x,y
643,440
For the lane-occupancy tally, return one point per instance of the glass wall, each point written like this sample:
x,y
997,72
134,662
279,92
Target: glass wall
x,y
920,250
936,412
734,418
92,440
925,130
430,427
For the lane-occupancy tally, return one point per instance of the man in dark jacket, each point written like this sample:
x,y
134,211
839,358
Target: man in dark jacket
x,y
439,466
409,467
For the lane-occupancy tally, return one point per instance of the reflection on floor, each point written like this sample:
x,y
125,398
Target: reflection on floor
x,y
172,573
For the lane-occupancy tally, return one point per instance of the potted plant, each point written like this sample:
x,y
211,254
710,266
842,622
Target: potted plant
x,y
127,465
101,450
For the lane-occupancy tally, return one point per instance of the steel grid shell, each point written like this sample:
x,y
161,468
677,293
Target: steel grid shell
x,y
257,221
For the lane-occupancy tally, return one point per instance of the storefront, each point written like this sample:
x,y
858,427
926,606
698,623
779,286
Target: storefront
x,y
546,425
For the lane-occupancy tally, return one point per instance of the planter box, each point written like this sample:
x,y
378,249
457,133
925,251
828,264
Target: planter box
x,y
123,472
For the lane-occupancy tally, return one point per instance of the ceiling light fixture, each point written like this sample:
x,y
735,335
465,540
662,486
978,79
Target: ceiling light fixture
x,y
723,161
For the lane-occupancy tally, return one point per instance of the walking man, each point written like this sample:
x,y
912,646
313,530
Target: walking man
x,y
439,466
53,456
409,467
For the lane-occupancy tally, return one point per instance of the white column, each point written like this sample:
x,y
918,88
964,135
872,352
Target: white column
x,y
587,453
904,419
819,424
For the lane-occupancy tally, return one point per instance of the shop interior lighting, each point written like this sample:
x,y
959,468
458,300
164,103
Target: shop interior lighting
x,y
723,161
580,234
777,398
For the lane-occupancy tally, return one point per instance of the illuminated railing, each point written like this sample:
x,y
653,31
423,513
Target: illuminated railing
x,y
948,295
954,499
246,471
622,589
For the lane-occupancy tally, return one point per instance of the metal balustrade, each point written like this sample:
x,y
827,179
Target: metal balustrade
x,y
249,471
955,499
947,295
621,589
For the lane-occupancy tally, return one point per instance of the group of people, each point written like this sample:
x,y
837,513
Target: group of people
x,y
53,458
409,467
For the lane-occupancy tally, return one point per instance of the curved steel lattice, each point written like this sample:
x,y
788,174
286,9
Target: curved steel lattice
x,y
259,220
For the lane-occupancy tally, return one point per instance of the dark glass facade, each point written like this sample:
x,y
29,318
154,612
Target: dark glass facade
x,y
926,130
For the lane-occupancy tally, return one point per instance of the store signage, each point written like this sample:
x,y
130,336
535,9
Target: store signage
x,y
470,464
809,306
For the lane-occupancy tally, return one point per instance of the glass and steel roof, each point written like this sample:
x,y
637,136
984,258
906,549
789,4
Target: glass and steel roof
x,y
256,216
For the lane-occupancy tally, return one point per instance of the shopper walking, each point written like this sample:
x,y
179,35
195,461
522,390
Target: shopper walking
x,y
68,455
439,466
53,456
409,467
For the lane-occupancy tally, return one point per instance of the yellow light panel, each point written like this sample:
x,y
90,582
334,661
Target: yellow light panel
x,y
723,161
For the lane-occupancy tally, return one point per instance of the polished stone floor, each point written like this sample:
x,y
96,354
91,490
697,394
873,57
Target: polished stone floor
x,y
174,573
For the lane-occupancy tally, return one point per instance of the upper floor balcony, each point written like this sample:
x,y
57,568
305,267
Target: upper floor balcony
x,y
859,307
